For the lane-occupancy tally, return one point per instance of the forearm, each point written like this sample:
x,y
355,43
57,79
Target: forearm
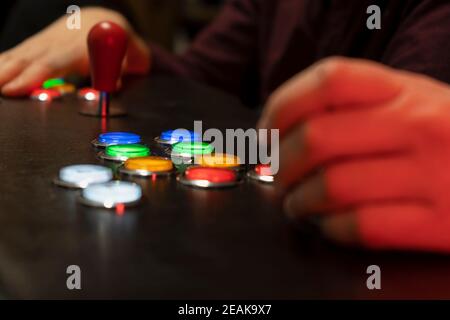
x,y
223,55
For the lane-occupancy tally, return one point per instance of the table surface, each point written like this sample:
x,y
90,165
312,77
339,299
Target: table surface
x,y
181,242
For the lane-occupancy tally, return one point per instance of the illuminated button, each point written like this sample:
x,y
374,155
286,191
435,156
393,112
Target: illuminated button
x,y
123,152
45,95
263,170
209,177
65,89
190,149
51,83
80,176
147,167
263,173
111,194
176,136
218,160
88,94
115,138
215,175
149,164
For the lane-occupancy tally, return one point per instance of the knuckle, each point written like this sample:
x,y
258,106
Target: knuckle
x,y
330,66
47,65
20,61
329,70
432,126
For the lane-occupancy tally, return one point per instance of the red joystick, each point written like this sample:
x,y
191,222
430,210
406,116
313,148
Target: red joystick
x,y
107,43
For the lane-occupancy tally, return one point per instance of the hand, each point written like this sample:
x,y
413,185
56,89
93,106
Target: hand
x,y
368,149
57,51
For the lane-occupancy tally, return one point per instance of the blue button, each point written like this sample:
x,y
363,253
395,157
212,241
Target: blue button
x,y
113,138
180,136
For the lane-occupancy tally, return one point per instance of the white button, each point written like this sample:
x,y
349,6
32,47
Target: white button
x,y
85,174
112,193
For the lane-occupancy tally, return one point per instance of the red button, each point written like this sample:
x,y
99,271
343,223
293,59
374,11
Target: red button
x,y
45,94
263,170
213,175
89,94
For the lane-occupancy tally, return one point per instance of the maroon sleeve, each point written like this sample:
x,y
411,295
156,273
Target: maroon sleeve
x,y
224,55
422,42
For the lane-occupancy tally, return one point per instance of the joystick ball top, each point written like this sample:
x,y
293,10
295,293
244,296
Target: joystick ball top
x,y
107,44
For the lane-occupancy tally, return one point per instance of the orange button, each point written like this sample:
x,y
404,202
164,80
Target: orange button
x,y
218,160
65,88
149,164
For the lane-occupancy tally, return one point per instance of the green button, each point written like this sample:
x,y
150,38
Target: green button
x,y
127,151
192,148
51,83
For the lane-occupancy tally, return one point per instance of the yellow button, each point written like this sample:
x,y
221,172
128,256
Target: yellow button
x,y
65,88
149,164
218,160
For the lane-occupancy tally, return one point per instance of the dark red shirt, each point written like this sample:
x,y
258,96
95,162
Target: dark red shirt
x,y
256,45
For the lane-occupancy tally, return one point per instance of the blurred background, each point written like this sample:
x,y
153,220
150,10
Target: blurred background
x,y
171,23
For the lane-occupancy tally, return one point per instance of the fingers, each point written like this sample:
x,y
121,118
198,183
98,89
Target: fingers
x,y
14,61
54,52
403,226
307,198
341,228
333,137
18,70
332,84
400,226
31,77
10,68
350,184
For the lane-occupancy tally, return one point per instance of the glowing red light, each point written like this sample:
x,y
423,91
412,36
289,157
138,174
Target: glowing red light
x,y
263,170
45,94
214,175
88,94
120,209
104,125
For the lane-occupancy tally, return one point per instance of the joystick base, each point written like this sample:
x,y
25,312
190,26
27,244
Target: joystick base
x,y
102,108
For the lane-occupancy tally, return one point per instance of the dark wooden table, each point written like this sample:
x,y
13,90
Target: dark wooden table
x,y
181,242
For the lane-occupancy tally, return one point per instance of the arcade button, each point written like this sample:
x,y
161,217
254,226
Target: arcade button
x,y
123,152
65,89
59,85
171,137
114,138
262,173
45,95
219,160
148,167
208,178
83,175
111,195
184,152
52,83
89,94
